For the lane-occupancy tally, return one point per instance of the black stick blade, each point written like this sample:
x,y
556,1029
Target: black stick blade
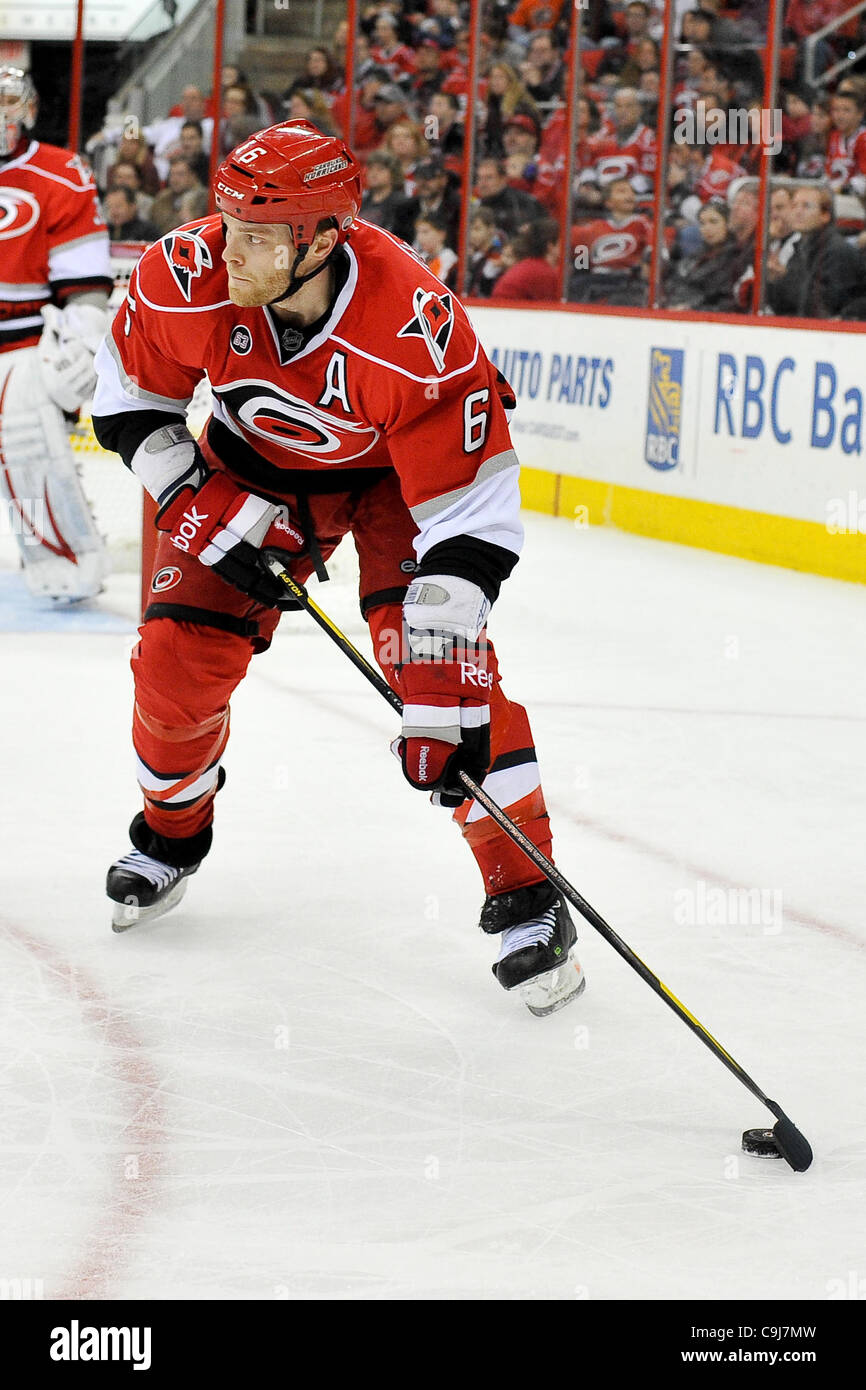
x,y
793,1146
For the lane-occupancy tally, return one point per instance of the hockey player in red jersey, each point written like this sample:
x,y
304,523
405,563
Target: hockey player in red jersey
x,y
53,297
350,394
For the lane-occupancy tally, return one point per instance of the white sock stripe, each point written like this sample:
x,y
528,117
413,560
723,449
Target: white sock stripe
x,y
150,781
508,786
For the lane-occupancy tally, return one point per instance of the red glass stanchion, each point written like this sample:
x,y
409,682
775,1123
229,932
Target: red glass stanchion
x,y
217,89
469,146
662,150
575,75
771,87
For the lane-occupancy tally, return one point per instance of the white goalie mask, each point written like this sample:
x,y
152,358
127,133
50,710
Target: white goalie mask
x,y
17,106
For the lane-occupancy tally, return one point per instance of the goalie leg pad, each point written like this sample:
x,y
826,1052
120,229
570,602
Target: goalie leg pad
x,y
63,555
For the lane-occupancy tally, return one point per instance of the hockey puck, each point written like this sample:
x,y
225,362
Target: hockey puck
x,y
761,1143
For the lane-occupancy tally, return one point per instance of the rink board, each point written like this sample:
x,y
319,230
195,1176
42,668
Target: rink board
x,y
741,438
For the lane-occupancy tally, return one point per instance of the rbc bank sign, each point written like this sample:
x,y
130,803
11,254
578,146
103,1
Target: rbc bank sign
x,y
757,397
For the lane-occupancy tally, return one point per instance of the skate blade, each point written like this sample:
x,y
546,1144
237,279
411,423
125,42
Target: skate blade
x,y
126,915
547,993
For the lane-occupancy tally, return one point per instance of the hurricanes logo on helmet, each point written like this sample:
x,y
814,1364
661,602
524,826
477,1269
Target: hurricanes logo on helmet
x,y
433,321
331,166
187,256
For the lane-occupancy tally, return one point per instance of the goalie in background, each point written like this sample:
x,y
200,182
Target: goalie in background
x,y
54,288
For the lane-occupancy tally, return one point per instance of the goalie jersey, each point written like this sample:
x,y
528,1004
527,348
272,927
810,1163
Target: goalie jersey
x,y
393,376
55,242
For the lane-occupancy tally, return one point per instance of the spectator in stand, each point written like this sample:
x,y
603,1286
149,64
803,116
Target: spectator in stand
x,y
165,213
190,146
743,219
725,32
812,154
706,280
636,18
121,214
529,16
644,57
125,174
445,131
233,76
366,132
615,248
443,23
134,149
550,179
485,254
361,49
405,142
429,73
627,149
796,127
387,51
193,204
845,167
240,116
783,238
309,104
384,202
321,73
431,235
511,207
543,72
390,104
825,277
163,136
506,97
805,17
521,152
437,195
535,273
690,70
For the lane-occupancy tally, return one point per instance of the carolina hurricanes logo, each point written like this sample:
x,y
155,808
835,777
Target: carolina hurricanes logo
x,y
19,211
187,255
271,413
613,166
433,321
613,246
166,578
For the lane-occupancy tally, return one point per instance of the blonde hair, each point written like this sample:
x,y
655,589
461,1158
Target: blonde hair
x,y
515,94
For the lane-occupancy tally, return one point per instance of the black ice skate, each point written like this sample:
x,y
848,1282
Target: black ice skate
x,y
537,953
152,878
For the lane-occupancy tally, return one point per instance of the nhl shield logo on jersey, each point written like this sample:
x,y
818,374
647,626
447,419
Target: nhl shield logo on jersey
x,y
19,211
187,255
433,321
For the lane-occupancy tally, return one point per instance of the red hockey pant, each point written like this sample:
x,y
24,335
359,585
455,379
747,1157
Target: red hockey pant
x,y
197,639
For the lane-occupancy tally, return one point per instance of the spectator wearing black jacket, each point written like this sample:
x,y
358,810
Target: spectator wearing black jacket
x,y
436,196
825,275
511,207
124,223
706,280
384,203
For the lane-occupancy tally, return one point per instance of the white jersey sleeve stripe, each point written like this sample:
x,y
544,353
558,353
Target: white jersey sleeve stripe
x,y
488,510
116,391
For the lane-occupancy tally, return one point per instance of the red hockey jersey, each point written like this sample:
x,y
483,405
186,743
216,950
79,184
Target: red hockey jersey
x,y
846,160
613,245
633,159
396,377
55,242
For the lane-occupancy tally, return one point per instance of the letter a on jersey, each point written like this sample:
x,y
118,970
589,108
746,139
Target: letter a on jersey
x,y
187,256
433,321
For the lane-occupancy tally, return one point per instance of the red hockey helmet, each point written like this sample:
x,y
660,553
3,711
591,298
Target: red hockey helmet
x,y
291,173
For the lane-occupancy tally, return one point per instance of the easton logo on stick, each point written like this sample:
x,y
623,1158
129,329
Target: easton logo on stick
x,y
187,255
433,321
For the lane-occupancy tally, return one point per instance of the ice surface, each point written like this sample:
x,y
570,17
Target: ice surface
x,y
306,1082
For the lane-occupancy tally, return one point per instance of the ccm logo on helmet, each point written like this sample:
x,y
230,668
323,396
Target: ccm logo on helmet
x,y
225,188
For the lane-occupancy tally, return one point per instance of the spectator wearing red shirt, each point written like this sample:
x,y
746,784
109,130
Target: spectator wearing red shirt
x,y
845,165
530,15
629,149
534,275
615,249
387,52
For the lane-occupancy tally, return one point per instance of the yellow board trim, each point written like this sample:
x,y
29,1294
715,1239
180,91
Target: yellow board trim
x,y
772,540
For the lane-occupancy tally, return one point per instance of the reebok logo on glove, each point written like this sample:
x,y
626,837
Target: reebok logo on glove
x,y
476,675
189,528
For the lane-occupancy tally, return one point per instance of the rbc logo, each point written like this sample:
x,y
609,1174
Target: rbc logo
x,y
664,408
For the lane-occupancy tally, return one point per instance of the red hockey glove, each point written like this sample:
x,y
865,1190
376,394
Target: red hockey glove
x,y
229,530
445,686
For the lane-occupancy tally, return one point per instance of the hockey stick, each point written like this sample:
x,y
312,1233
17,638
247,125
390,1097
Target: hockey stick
x,y
791,1144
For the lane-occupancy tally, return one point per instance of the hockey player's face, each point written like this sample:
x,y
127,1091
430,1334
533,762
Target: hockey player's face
x,y
259,258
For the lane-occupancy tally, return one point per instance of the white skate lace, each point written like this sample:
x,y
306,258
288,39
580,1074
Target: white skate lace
x,y
535,933
157,873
